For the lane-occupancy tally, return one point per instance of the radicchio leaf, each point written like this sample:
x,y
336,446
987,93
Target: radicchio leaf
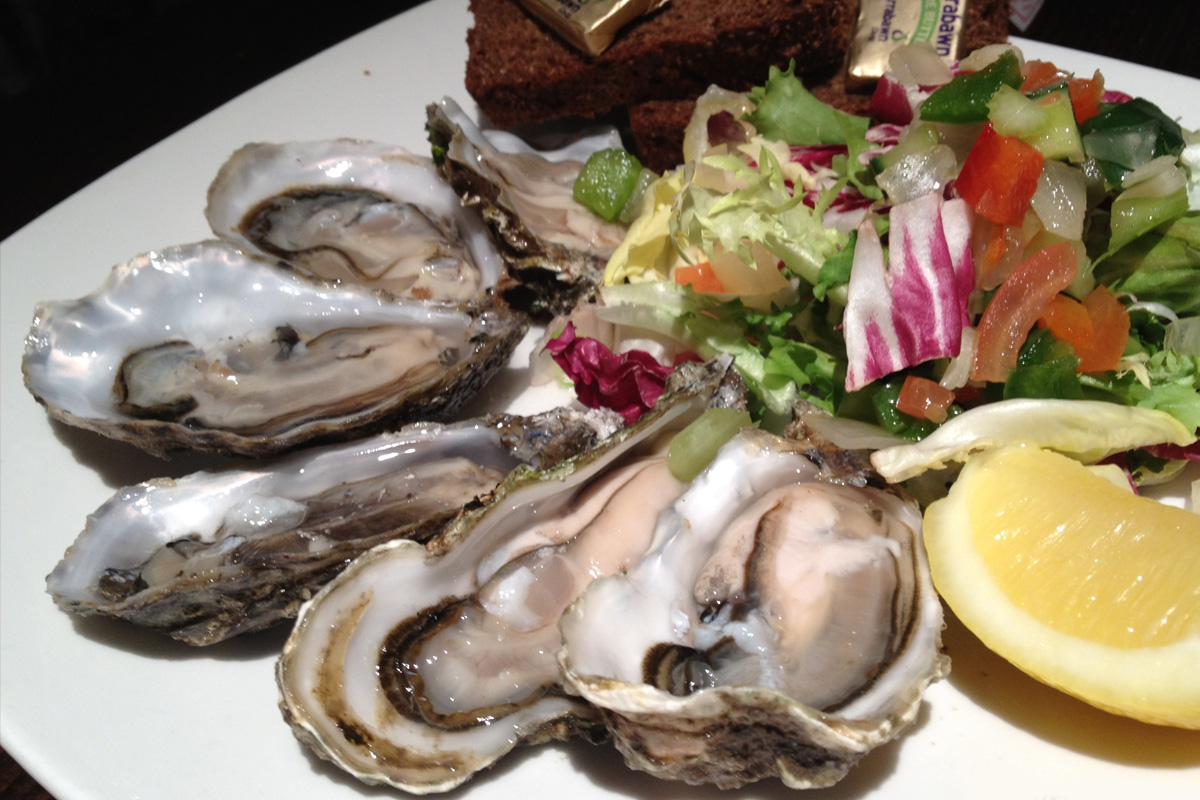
x,y
629,383
913,308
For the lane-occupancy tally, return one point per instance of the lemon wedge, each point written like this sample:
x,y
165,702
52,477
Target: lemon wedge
x,y
1075,580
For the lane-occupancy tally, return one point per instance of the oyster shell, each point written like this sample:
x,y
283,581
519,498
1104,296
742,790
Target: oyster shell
x,y
201,346
422,687
356,211
216,554
555,248
786,624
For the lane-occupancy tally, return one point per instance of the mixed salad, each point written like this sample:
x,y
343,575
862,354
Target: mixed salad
x,y
999,229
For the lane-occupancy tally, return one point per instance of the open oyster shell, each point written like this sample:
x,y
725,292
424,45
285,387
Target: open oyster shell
x,y
201,346
556,249
418,667
357,211
216,554
782,623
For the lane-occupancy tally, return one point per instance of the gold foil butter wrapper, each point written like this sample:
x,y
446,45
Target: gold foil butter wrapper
x,y
884,25
590,25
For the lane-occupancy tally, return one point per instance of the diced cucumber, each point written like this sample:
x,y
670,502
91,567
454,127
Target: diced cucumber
x,y
694,447
1013,114
1047,123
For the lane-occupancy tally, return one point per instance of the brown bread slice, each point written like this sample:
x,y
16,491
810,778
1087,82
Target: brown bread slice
x,y
520,71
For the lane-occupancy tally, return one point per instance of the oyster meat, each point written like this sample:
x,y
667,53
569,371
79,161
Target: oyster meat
x,y
216,554
783,623
554,247
202,346
418,667
358,211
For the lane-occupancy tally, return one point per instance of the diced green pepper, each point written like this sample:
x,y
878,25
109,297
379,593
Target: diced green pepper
x,y
1135,114
1129,146
607,181
1047,123
1054,379
1045,368
965,98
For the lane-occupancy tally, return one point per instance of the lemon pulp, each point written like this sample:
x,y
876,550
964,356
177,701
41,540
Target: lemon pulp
x,y
1085,586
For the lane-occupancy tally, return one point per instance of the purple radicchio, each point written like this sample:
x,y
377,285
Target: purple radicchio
x,y
913,307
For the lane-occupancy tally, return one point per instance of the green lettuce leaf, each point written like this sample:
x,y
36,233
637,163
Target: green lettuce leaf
x,y
785,110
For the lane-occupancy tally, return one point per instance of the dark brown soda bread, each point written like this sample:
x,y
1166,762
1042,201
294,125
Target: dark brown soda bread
x,y
520,71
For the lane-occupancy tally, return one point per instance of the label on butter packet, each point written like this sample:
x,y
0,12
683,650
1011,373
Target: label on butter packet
x,y
590,25
884,25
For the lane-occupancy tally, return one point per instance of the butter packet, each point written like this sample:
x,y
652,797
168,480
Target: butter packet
x,y
884,25
590,25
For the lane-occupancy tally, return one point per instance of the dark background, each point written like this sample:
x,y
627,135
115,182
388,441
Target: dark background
x,y
87,84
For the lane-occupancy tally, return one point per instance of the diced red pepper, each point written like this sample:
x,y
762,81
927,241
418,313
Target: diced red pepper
x,y
1086,95
1039,75
1016,306
700,277
999,177
924,399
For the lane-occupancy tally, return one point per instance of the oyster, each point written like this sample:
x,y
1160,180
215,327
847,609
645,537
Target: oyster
x,y
201,346
356,211
555,248
216,554
786,624
422,686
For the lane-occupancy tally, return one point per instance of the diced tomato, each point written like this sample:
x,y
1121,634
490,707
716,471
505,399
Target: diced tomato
x,y
999,177
700,277
924,399
1068,320
1016,306
1097,328
1039,75
1110,331
1086,94
969,395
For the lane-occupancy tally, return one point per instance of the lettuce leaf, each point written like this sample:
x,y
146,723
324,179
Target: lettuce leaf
x,y
762,211
785,110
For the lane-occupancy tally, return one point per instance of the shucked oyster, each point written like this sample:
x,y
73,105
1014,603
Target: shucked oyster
x,y
200,346
356,211
774,617
555,248
216,554
419,668
783,623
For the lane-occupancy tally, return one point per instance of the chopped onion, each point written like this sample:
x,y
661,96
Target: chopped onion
x,y
918,64
1183,336
959,370
918,174
1158,177
980,58
848,434
1061,199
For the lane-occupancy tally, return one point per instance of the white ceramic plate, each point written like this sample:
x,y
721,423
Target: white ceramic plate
x,y
98,710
